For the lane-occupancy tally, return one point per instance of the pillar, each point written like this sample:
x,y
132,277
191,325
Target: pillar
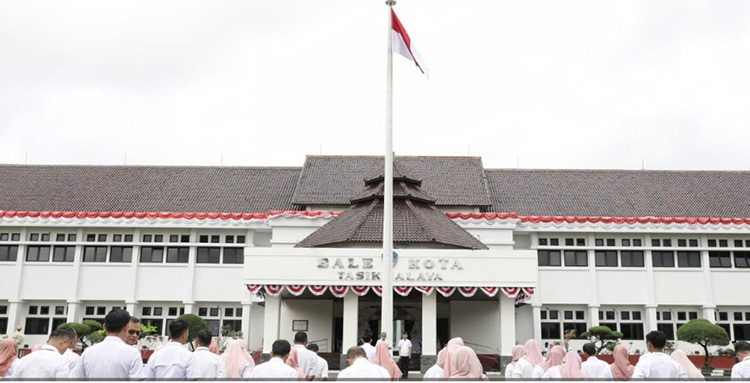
x,y
14,306
246,311
73,308
593,315
537,319
650,318
351,321
130,308
709,313
429,331
189,307
271,317
507,325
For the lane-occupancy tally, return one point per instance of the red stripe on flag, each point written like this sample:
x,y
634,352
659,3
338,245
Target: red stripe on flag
x,y
399,28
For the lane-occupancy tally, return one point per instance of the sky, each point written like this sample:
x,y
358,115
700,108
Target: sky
x,y
543,84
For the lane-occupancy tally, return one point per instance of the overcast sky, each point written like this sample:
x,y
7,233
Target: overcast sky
x,y
550,84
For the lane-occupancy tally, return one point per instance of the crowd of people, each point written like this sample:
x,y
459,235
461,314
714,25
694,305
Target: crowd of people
x,y
117,357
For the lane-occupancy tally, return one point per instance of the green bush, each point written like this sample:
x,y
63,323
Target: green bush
x,y
704,334
195,324
602,337
86,331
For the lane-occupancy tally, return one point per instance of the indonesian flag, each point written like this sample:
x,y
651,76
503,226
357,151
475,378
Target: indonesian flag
x,y
403,46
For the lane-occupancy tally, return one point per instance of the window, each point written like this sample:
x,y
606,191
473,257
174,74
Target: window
x,y
204,239
3,310
631,258
662,258
598,242
154,316
632,331
37,326
574,320
719,259
577,258
121,254
606,258
37,253
208,255
64,253
741,258
221,318
101,238
158,238
625,242
233,255
666,328
173,238
8,253
688,259
215,238
95,254
178,254
152,254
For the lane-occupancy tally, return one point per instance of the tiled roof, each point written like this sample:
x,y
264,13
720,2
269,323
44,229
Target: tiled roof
x,y
146,188
334,180
623,193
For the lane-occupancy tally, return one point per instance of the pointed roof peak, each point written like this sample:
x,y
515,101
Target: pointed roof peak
x,y
401,172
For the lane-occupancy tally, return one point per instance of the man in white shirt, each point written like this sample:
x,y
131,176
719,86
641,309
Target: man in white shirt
x,y
322,373
361,368
47,363
593,368
370,350
656,364
276,367
111,358
207,364
173,361
71,358
307,360
740,370
404,353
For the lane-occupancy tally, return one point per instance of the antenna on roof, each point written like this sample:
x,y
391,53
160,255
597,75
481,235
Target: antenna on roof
x,y
468,149
222,160
643,164
26,159
320,149
125,162
518,162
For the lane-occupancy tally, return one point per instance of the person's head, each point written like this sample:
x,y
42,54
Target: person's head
x,y
300,338
134,331
116,324
313,347
178,331
404,335
203,339
366,338
354,353
383,335
61,339
742,349
589,349
280,349
655,341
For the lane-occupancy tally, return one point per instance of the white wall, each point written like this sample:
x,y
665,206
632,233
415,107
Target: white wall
x,y
566,286
255,338
317,312
679,286
524,324
626,286
476,322
218,283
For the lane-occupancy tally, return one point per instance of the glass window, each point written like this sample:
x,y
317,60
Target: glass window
x,y
228,239
568,315
146,311
554,242
64,253
693,242
569,241
637,242
693,315
741,259
59,310
682,242
551,330
625,315
625,242
158,323
723,243
610,241
606,258
58,238
37,253
34,310
579,327
632,331
208,255
711,243
688,259
89,310
95,254
233,255
543,314
655,243
203,239
146,237
610,315
44,310
8,253
102,238
158,238
666,315
662,258
612,325
636,315
121,254
36,326
240,239
202,311
152,254
599,242
15,237
158,311
723,316
215,239
737,243
214,311
116,237
34,237
228,312
742,331
172,311
631,258
666,242
185,238
178,254
576,258
128,237
45,237
666,328
737,316
101,310
174,238
719,259
3,310
681,316
3,236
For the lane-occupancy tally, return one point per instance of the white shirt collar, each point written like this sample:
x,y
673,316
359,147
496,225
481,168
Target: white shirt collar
x,y
202,349
50,348
362,360
174,344
112,338
746,358
276,359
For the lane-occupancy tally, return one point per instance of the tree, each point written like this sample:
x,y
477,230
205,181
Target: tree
x,y
84,330
704,334
601,336
195,324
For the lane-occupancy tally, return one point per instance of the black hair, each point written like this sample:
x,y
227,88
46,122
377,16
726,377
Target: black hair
x,y
366,338
72,334
116,320
177,328
134,320
313,347
63,333
204,337
300,337
589,349
742,346
281,348
657,339
355,351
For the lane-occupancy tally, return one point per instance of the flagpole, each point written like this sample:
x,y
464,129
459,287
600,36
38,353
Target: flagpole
x,y
387,294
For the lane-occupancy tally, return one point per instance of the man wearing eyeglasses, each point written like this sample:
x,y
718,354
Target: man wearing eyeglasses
x,y
134,332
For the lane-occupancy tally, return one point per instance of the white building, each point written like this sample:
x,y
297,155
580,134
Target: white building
x,y
472,243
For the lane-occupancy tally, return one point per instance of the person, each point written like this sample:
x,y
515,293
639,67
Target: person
x,y
693,373
48,362
322,373
621,369
384,338
467,364
436,371
134,332
741,370
517,353
593,368
656,364
571,367
8,357
531,357
111,358
554,358
276,367
173,361
307,360
293,362
385,360
450,348
368,347
404,353
207,364
361,368
238,363
214,347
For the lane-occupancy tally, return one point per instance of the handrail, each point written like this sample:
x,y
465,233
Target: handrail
x,y
322,343
476,347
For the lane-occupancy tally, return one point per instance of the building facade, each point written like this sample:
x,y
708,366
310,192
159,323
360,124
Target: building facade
x,y
493,256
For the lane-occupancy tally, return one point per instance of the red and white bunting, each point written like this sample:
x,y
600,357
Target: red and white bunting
x,y
467,291
360,290
446,291
317,290
511,292
426,290
490,291
521,295
338,291
402,290
274,290
296,290
254,289
378,290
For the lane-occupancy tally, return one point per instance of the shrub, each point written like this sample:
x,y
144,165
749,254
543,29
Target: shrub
x,y
195,324
704,334
602,337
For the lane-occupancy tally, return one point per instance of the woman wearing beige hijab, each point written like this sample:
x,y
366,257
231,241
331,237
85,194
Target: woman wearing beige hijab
x,y
693,372
467,364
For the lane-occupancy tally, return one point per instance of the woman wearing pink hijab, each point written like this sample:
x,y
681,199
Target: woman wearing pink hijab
x,y
621,368
554,358
385,360
238,362
8,357
437,370
693,372
214,347
569,369
517,353
467,364
531,357
450,348
293,362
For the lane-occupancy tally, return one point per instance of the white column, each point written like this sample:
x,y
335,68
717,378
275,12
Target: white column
x,y
593,315
14,306
709,308
507,324
709,314
537,321
192,254
130,308
271,317
246,310
351,321
73,311
649,263
189,307
429,324
650,318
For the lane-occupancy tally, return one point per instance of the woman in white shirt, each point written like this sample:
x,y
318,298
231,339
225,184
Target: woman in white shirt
x,y
554,358
436,371
531,357
8,357
239,364
517,354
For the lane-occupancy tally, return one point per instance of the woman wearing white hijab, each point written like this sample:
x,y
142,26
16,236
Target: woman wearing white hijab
x,y
693,372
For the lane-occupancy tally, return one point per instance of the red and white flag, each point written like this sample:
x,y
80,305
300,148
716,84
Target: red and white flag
x,y
403,46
